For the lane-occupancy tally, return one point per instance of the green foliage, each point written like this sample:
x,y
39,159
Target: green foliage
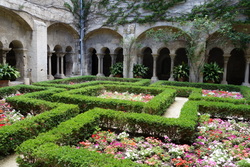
x,y
221,9
13,135
139,70
181,71
8,72
243,163
212,72
116,69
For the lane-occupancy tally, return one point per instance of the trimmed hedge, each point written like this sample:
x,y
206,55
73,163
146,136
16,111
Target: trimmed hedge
x,y
6,91
49,149
13,135
82,81
209,86
86,98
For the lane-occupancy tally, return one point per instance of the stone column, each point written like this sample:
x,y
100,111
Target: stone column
x,y
113,61
224,80
100,64
61,75
172,56
113,58
57,66
154,77
50,76
246,81
3,55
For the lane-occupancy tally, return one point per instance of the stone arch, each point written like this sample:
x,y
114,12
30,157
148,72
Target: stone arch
x,y
62,34
65,36
163,66
181,56
155,45
13,27
93,61
236,67
148,61
16,57
216,55
105,41
55,61
106,61
119,54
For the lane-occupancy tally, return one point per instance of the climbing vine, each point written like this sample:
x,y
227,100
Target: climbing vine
x,y
75,8
221,9
121,12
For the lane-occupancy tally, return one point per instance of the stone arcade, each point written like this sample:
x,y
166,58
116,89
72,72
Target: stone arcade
x,y
41,39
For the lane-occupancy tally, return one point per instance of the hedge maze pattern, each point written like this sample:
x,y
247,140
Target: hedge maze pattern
x,y
68,110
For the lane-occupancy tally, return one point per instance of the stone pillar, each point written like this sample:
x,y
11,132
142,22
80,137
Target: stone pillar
x,y
113,58
50,76
3,55
224,80
172,56
154,77
246,81
100,64
38,53
21,62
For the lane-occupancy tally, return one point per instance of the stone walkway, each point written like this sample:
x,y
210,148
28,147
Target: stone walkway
x,y
172,112
9,161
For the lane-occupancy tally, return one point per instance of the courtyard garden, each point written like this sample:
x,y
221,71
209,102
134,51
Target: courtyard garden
x,y
100,121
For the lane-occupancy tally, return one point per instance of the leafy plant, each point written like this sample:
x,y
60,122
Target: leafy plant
x,y
211,72
181,71
116,69
139,70
8,72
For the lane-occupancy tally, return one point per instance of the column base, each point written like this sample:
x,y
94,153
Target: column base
x,y
171,79
59,76
245,84
154,79
224,82
50,77
100,75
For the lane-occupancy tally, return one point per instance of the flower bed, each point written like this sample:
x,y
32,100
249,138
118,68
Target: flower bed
x,y
8,115
126,96
223,94
219,143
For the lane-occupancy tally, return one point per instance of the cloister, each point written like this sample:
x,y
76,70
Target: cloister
x,y
42,49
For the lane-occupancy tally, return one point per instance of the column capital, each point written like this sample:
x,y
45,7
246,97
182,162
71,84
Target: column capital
x,y
5,50
49,53
226,55
20,50
172,55
226,59
100,55
155,54
248,59
60,54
